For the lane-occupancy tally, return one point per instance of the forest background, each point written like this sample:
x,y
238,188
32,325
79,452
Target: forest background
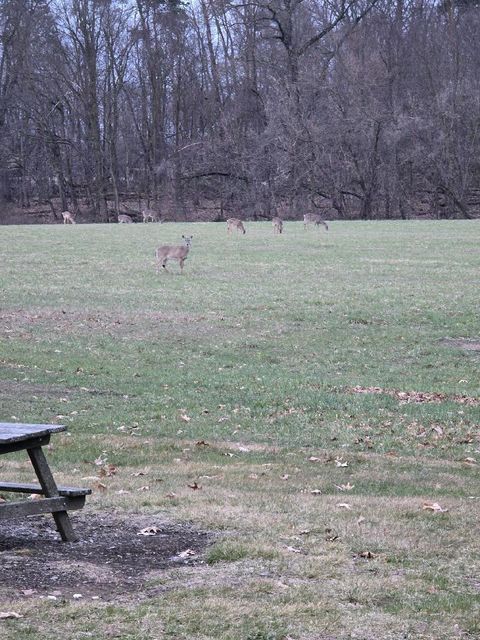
x,y
202,110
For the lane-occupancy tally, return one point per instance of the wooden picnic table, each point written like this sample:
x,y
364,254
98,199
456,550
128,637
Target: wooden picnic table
x,y
57,500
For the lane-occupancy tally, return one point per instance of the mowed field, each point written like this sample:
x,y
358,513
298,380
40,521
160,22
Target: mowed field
x,y
311,400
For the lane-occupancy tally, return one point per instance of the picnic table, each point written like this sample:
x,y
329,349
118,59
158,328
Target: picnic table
x,y
57,500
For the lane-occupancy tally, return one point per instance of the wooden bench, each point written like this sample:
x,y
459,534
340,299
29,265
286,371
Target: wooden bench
x,y
57,500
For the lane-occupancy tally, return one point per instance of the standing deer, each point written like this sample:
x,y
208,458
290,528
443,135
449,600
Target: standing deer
x,y
173,252
123,218
68,218
314,218
277,225
150,214
235,223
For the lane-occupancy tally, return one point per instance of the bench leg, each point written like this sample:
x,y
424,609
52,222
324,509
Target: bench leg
x,y
50,490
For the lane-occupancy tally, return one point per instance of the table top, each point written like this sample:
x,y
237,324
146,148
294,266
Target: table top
x,y
16,432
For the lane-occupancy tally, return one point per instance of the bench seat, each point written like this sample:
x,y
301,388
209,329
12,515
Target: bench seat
x,y
67,492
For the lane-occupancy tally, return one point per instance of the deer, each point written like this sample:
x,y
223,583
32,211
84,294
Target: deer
x,y
277,225
173,252
235,223
68,218
150,214
314,218
123,218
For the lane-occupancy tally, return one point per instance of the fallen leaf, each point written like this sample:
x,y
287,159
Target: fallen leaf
x,y
343,505
314,459
330,535
315,492
148,531
294,550
345,487
184,417
108,470
434,506
340,463
253,476
28,592
171,495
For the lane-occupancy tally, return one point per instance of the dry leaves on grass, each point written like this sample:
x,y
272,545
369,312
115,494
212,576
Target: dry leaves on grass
x,y
419,397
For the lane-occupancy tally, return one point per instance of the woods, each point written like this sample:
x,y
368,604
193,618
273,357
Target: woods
x,y
352,109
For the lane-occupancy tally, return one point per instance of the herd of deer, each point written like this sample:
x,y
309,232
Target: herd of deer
x,y
180,252
148,215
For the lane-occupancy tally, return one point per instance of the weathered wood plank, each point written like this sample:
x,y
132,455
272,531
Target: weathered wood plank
x,y
55,505
16,487
49,487
16,432
21,445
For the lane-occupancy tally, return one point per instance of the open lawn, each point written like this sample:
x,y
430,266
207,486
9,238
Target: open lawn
x,y
300,397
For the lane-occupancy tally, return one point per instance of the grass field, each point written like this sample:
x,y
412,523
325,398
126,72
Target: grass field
x,y
320,369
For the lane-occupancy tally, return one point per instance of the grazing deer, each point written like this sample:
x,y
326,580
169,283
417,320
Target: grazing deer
x,y
150,214
123,218
173,252
68,218
234,223
277,225
314,218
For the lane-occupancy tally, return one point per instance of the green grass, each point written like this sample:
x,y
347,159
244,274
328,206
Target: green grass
x,y
260,343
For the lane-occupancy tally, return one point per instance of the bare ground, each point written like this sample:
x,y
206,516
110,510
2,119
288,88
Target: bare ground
x,y
109,560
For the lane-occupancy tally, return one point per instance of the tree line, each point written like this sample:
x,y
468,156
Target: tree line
x,y
356,108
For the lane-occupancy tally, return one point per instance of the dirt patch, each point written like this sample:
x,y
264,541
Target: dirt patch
x,y
109,560
463,343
